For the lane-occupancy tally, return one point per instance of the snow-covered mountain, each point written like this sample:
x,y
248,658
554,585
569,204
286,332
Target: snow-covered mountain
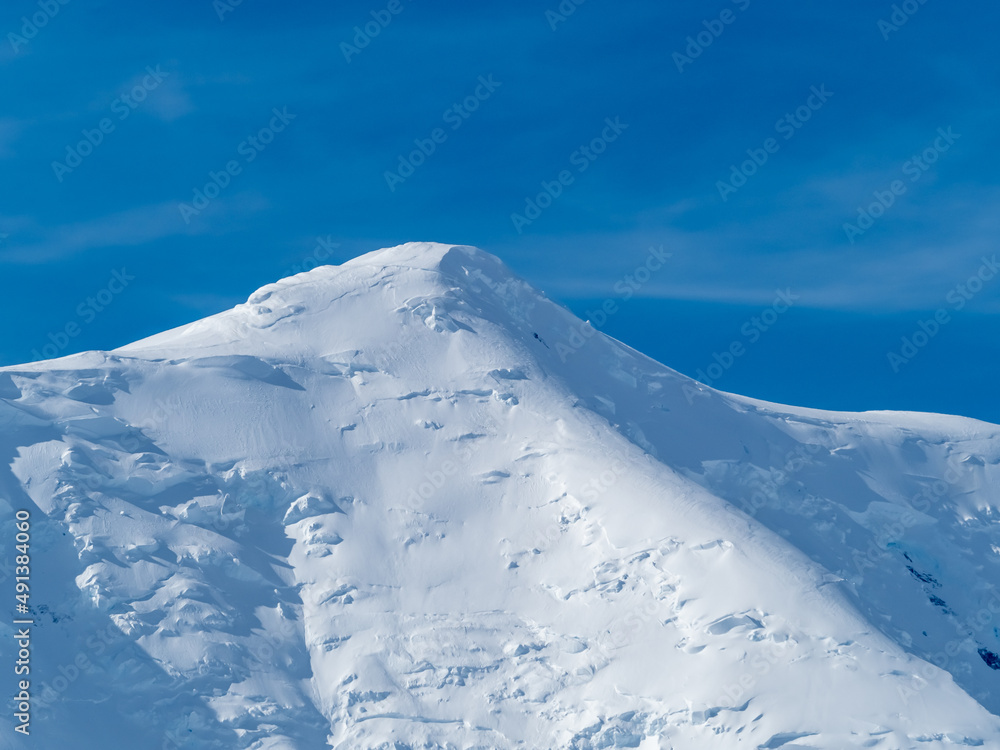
x,y
409,502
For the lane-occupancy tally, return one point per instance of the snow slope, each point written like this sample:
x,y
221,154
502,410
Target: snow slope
x,y
409,502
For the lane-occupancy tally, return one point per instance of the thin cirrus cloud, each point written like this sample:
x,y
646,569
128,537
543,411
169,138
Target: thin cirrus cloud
x,y
136,226
131,229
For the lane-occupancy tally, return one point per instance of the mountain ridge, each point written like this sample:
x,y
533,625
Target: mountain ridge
x,y
373,507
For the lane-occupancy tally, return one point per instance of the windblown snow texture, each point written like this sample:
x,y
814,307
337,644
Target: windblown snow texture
x,y
409,502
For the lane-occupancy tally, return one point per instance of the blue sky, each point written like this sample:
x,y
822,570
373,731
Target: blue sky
x,y
171,92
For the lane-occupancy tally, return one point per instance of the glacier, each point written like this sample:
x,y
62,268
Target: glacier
x,y
410,502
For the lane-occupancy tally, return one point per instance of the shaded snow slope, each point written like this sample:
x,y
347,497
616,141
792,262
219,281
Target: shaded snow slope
x,y
408,502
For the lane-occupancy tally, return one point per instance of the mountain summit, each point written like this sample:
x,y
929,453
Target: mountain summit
x,y
409,502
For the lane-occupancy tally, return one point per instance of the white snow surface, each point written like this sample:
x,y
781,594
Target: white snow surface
x,y
409,502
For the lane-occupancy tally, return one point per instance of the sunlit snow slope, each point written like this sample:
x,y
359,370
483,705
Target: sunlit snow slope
x,y
409,502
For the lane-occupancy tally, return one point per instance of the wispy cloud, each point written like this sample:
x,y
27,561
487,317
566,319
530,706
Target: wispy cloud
x,y
131,228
